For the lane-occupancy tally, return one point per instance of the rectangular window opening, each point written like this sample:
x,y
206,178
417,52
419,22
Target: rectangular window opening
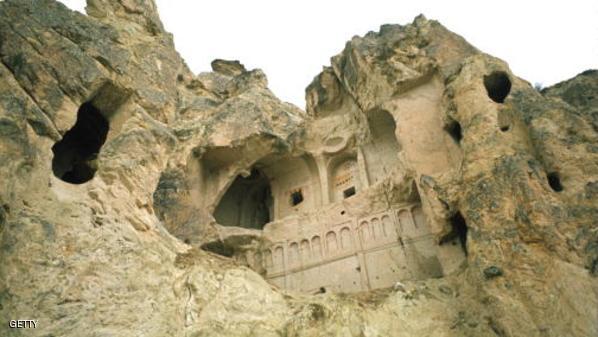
x,y
349,192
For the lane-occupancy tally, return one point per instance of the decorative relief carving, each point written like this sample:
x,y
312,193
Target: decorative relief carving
x,y
391,231
305,250
346,241
268,257
317,247
364,232
331,243
293,254
278,259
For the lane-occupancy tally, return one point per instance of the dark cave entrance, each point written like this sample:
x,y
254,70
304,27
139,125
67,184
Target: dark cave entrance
x,y
454,130
498,86
554,180
76,153
458,231
248,202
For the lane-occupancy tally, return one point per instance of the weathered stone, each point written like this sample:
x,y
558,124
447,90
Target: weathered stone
x,y
492,272
228,68
208,207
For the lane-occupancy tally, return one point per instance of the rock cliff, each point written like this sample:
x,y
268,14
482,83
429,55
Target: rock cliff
x,y
115,159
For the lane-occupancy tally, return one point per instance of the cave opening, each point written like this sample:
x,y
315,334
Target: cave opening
x,y
454,130
247,203
498,86
554,180
458,231
75,155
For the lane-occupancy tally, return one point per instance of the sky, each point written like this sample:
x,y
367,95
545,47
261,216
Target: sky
x,y
544,42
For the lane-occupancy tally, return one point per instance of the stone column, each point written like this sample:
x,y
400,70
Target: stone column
x,y
362,166
324,183
359,252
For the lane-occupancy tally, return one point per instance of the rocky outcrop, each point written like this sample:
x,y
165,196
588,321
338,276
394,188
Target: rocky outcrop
x,y
580,93
101,236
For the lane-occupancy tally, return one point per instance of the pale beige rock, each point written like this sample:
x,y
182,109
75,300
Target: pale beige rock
x,y
142,242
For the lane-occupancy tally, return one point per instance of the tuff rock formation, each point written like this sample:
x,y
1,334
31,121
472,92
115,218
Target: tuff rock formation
x,y
117,163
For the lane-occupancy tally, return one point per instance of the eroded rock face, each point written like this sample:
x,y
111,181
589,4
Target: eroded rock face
x,y
507,174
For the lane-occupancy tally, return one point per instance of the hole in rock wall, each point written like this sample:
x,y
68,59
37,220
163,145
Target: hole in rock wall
x,y
247,203
75,155
498,86
349,192
504,118
454,130
296,198
458,231
554,180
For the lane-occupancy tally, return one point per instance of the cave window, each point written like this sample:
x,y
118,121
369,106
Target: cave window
x,y
554,180
454,130
296,198
75,155
247,202
498,86
349,192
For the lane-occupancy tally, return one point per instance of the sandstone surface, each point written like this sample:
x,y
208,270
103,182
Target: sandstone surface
x,y
139,199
